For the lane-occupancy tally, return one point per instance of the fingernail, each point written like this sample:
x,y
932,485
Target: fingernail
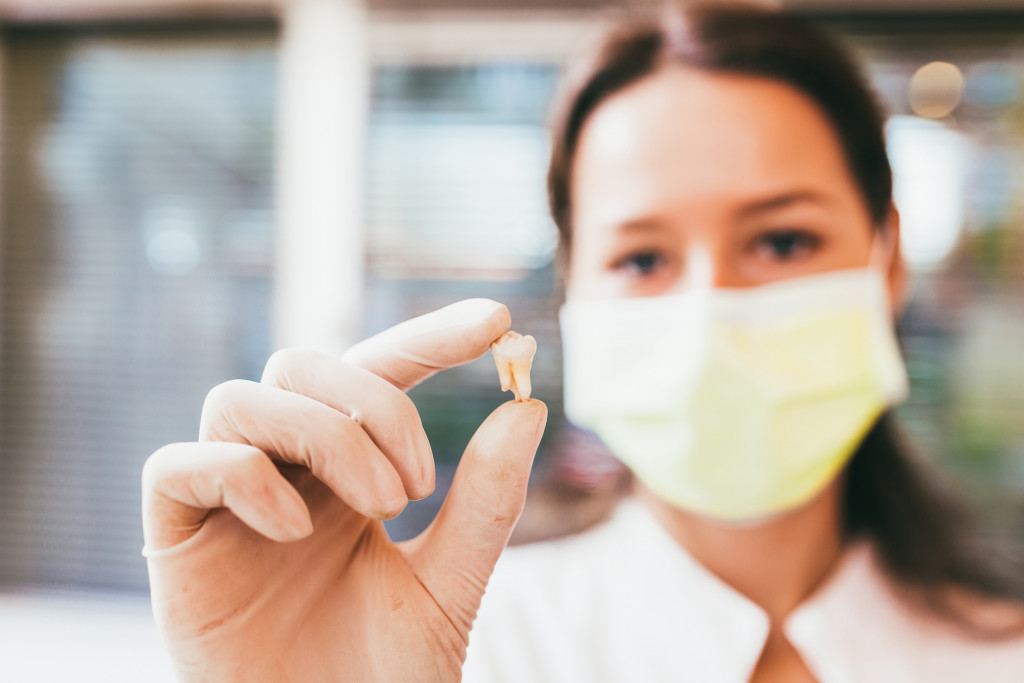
x,y
481,308
295,530
424,483
419,444
390,496
471,311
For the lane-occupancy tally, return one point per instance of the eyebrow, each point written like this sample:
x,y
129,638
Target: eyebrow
x,y
782,201
636,225
747,210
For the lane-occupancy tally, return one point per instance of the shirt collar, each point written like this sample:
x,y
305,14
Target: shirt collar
x,y
825,629
703,620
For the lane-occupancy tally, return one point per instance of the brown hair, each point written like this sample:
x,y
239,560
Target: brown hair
x,y
919,530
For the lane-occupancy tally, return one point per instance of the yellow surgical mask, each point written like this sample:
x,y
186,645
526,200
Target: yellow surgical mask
x,y
735,404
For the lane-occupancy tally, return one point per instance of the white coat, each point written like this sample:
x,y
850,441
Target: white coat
x,y
624,603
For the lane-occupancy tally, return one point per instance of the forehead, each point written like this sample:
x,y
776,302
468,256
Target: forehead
x,y
685,138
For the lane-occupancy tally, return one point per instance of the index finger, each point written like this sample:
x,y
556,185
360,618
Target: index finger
x,y
412,351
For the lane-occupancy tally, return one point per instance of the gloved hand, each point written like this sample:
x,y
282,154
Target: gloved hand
x,y
267,557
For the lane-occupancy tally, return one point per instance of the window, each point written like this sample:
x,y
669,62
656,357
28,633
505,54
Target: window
x,y
953,93
136,263
456,208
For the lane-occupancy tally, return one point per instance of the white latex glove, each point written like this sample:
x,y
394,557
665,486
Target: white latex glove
x,y
267,559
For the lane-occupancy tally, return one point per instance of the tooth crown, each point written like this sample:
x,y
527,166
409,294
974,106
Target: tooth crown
x,y
513,354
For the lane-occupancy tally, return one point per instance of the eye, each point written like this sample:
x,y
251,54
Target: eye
x,y
786,245
640,263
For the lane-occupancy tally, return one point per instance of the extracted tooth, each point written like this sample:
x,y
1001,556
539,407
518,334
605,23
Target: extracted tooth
x,y
504,374
513,354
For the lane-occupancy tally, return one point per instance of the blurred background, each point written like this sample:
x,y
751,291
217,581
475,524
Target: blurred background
x,y
187,185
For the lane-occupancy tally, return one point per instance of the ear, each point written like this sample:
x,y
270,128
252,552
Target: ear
x,y
896,268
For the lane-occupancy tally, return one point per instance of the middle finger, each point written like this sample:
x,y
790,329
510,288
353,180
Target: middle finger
x,y
387,415
300,430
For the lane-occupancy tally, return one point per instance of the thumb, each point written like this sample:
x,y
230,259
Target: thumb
x,y
455,556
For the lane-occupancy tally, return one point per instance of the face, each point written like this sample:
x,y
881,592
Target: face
x,y
693,179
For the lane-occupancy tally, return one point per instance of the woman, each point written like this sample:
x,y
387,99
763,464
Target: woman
x,y
721,186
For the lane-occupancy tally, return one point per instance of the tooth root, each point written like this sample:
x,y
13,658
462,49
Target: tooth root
x,y
521,380
505,375
515,389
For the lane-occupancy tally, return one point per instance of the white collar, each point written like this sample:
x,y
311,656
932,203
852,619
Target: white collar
x,y
853,627
625,602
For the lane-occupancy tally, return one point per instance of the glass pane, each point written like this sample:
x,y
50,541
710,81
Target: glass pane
x,y
137,239
456,209
957,150
956,179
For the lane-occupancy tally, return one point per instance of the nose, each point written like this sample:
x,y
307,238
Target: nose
x,y
708,266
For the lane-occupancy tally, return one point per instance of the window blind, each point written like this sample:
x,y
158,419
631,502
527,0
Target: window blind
x,y
136,251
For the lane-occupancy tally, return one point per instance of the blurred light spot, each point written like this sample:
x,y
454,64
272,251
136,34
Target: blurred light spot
x,y
173,252
936,89
171,247
992,84
929,163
